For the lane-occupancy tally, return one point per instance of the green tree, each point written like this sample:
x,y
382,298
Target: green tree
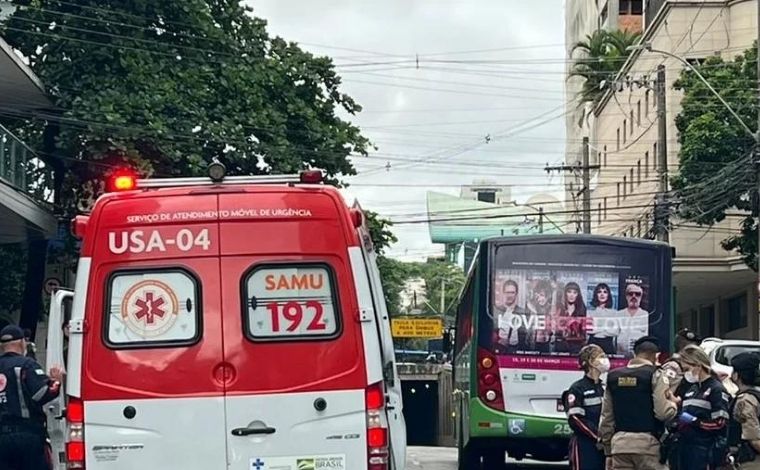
x,y
393,273
715,172
12,264
597,59
167,86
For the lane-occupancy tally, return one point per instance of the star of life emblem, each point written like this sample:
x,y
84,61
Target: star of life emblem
x,y
150,308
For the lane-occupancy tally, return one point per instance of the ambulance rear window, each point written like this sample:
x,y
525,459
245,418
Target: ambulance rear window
x,y
289,302
150,308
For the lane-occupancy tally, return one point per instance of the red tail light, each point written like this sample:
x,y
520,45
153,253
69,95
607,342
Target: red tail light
x,y
377,428
75,448
489,381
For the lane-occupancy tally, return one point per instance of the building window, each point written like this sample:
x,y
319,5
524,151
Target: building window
x,y
631,180
638,172
646,164
625,187
631,123
638,113
631,7
737,313
487,196
605,208
646,103
638,228
625,128
605,155
599,214
618,194
654,156
618,138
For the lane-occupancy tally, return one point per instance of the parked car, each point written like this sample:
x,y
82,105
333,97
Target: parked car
x,y
721,351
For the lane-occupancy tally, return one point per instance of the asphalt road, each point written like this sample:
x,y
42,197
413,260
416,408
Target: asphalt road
x,y
445,458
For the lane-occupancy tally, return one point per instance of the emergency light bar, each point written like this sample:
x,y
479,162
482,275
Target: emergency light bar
x,y
305,177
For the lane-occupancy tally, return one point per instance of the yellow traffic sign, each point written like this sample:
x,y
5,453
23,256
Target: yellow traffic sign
x,y
417,327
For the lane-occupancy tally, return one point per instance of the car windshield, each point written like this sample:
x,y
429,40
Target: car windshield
x,y
724,354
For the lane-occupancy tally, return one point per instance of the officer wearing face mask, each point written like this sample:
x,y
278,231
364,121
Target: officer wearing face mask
x,y
744,427
672,368
704,414
583,405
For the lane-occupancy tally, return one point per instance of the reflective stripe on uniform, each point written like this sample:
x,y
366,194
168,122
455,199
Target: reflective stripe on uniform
x,y
592,401
699,403
40,393
720,414
576,411
20,389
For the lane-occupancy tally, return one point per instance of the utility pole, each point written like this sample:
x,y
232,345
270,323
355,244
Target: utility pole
x,y
662,209
586,189
541,217
443,298
585,170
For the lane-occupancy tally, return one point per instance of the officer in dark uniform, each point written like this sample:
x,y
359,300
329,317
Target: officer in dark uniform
x,y
583,405
634,408
704,414
24,389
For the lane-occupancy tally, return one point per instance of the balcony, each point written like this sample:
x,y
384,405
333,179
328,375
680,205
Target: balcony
x,y
21,169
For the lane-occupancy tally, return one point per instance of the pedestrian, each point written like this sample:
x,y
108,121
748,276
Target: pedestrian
x,y
634,408
583,405
24,390
744,427
31,348
702,423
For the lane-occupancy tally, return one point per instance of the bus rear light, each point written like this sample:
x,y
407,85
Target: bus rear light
x,y
377,428
489,382
75,447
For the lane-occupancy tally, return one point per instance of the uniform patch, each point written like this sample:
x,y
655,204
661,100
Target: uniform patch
x,y
589,392
3,382
39,371
570,398
627,381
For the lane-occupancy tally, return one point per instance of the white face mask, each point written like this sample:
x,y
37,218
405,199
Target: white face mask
x,y
603,365
691,377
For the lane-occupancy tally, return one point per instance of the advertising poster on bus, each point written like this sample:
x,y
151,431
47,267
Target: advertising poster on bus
x,y
550,301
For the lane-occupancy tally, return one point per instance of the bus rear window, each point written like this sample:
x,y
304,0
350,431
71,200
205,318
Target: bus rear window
x,y
287,302
150,308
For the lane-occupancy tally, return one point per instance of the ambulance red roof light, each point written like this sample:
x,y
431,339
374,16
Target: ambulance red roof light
x,y
122,180
312,176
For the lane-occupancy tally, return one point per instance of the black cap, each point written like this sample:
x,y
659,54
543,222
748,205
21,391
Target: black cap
x,y
647,339
745,361
11,333
689,335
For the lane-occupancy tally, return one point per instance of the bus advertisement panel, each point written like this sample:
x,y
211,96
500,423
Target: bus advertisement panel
x,y
548,303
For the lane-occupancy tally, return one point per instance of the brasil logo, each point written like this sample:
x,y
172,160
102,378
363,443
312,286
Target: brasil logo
x,y
306,464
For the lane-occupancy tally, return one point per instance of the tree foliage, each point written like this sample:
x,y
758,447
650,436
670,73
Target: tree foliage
x,y
12,265
598,58
168,86
715,172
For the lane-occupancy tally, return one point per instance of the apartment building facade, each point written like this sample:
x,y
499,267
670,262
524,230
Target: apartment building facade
x,y
716,292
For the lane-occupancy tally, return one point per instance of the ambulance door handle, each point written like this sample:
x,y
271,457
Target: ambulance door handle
x,y
251,431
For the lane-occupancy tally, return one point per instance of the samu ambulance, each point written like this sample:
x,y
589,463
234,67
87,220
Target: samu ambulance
x,y
225,323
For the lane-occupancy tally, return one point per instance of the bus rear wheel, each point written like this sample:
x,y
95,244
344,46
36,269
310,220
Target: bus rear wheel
x,y
468,459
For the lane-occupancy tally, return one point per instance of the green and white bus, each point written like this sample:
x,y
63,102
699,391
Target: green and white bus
x,y
528,306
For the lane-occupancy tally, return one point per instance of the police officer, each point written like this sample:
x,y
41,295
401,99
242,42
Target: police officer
x,y
704,414
744,427
672,367
583,404
634,407
24,389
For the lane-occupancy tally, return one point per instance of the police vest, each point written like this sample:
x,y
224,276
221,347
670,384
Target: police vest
x,y
631,391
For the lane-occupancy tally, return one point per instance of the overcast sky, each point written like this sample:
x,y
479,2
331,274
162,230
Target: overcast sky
x,y
485,100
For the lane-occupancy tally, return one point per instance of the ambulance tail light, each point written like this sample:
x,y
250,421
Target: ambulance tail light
x,y
377,428
75,449
489,381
